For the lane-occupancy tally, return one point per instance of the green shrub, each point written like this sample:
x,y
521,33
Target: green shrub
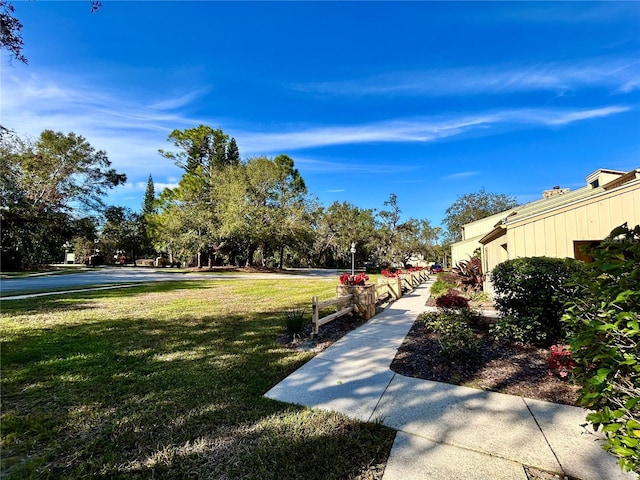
x,y
479,296
605,316
509,331
531,292
455,337
439,288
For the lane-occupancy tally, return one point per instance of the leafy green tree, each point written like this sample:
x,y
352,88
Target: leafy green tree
x,y
604,315
200,147
336,227
64,172
148,209
46,185
388,223
414,239
188,219
123,230
185,225
276,205
474,206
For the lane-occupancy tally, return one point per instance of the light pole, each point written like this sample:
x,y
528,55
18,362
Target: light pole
x,y
353,255
66,247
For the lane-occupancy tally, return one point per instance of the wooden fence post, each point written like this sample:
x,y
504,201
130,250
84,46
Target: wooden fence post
x,y
314,316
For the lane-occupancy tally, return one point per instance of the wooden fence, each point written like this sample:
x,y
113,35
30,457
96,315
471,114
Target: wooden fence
x,y
360,300
317,306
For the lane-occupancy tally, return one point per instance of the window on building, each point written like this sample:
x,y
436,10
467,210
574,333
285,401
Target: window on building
x,y
580,248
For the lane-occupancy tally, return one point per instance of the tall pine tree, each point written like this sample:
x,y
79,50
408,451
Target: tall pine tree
x,y
149,198
148,209
233,153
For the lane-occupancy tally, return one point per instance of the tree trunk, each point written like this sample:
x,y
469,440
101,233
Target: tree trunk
x,y
250,252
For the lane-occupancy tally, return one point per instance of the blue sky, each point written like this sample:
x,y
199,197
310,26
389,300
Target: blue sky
x,y
426,100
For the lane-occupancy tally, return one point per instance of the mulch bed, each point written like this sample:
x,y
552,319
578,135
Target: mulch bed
x,y
516,370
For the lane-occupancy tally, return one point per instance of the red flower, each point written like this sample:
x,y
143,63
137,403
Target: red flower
x,y
560,361
359,279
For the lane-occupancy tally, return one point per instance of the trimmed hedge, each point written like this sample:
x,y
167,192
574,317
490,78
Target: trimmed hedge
x,y
530,295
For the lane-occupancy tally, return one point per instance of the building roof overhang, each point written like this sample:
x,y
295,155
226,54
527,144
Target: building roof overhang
x,y
499,231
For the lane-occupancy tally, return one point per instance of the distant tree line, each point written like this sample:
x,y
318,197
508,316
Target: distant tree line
x,y
258,212
225,210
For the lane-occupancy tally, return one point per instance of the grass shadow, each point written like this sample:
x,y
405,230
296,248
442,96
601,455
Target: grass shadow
x,y
174,389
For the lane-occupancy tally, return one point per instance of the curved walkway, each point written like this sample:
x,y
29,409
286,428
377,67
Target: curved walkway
x,y
445,432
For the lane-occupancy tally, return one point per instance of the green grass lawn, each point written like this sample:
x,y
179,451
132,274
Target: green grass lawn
x,y
167,381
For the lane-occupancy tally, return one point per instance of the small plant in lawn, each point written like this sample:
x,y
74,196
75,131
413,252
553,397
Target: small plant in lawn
x,y
295,322
560,361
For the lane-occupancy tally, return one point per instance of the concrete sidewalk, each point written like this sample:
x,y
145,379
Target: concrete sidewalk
x,y
445,432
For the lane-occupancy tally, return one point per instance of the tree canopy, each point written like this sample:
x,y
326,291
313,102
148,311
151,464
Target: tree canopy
x,y
48,186
474,206
224,210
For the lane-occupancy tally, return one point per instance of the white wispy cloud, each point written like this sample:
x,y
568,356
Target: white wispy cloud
x,y
346,167
392,131
130,130
460,175
616,75
419,130
563,117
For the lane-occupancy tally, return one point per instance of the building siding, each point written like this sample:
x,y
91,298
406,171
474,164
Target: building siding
x,y
553,233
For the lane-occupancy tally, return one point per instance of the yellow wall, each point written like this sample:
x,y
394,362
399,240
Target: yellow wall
x,y
473,232
552,233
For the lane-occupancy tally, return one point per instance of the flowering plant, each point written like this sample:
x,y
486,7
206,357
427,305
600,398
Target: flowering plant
x,y
359,279
394,273
560,361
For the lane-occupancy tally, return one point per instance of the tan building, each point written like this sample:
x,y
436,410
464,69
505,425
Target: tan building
x,y
471,235
561,223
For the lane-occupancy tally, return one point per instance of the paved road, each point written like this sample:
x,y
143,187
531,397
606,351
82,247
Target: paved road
x,y
128,275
